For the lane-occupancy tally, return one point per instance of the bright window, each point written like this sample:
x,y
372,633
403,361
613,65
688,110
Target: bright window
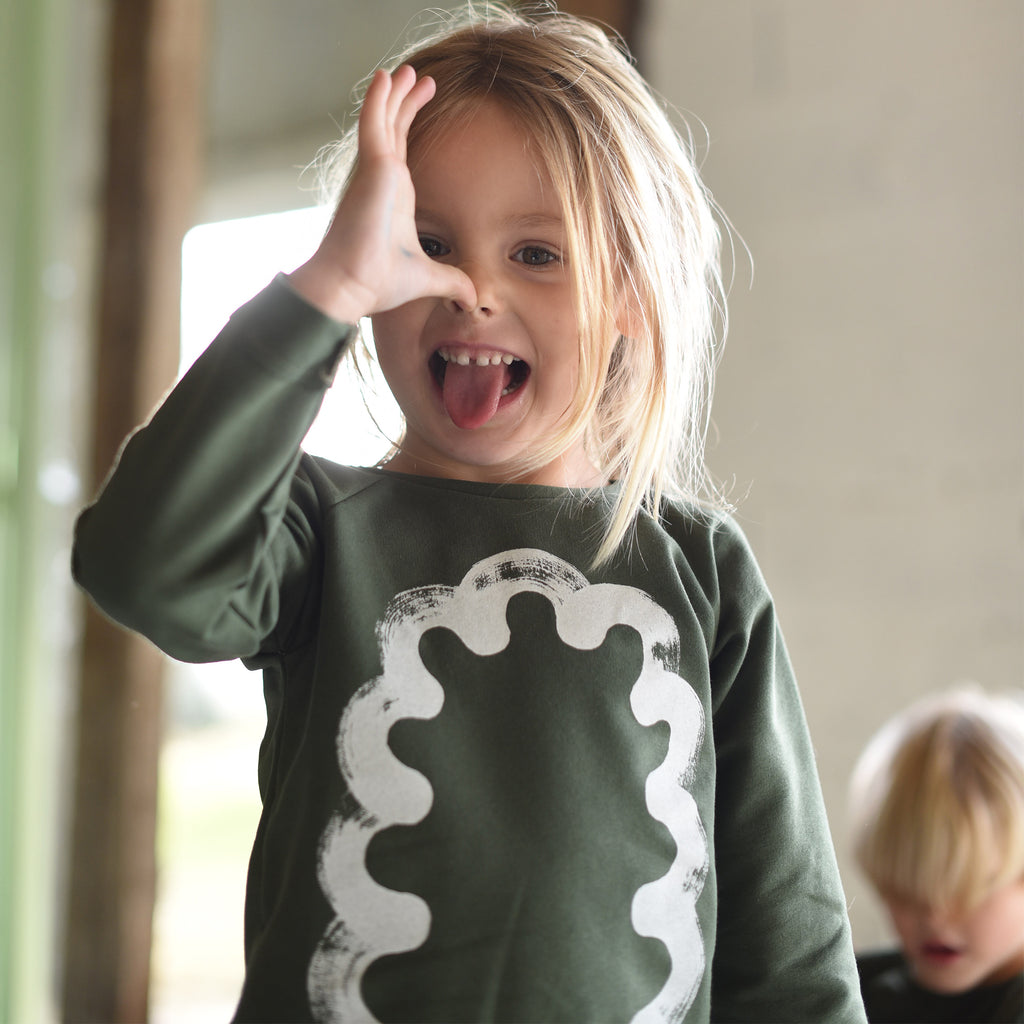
x,y
226,263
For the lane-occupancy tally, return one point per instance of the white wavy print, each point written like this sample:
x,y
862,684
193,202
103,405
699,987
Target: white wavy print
x,y
371,921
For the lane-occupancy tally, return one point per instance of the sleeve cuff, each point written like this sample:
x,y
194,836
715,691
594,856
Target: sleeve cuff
x,y
289,337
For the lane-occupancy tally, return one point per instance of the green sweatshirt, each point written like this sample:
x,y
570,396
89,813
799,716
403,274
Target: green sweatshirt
x,y
497,785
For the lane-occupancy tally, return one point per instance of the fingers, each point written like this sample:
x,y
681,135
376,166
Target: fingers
x,y
402,80
418,96
372,116
391,104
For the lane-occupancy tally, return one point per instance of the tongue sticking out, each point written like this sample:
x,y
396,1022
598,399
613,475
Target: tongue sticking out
x,y
471,393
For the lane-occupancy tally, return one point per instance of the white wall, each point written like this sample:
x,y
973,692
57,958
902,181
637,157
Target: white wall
x,y
870,400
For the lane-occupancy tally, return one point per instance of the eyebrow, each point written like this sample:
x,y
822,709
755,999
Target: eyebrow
x,y
516,220
531,220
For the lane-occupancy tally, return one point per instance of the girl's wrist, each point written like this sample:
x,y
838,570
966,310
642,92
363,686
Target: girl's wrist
x,y
332,293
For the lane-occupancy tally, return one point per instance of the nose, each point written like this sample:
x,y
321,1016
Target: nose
x,y
487,285
940,917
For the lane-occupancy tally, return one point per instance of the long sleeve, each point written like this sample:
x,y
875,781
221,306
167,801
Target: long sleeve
x,y
784,951
203,521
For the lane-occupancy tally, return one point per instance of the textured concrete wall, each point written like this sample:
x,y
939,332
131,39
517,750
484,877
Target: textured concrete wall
x,y
870,400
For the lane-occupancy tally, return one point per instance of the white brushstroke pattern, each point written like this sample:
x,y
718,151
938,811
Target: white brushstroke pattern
x,y
372,921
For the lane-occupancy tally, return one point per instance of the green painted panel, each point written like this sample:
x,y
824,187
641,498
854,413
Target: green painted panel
x,y
31,75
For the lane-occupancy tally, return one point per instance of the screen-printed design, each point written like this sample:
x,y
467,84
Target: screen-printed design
x,y
373,921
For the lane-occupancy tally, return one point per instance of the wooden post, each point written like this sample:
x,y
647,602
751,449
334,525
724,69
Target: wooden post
x,y
154,142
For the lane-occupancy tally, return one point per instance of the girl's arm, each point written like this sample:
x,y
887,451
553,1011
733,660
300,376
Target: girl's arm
x,y
203,527
783,950
204,533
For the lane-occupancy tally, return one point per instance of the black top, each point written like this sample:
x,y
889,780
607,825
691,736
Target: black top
x,y
891,994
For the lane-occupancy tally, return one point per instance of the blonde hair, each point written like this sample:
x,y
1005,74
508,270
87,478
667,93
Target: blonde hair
x,y
937,800
641,236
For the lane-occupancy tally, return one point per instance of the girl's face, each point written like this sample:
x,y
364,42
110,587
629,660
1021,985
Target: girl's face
x,y
481,386
953,952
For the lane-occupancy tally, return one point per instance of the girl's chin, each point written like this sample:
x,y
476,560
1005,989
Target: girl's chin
x,y
452,464
571,470
454,451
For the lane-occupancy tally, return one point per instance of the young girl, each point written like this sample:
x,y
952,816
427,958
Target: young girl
x,y
938,800
534,751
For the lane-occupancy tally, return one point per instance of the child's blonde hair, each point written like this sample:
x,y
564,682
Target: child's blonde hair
x,y
643,245
937,800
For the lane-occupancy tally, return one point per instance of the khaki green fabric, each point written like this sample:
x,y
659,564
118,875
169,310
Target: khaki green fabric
x,y
497,785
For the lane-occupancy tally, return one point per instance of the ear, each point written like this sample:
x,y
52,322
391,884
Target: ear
x,y
629,315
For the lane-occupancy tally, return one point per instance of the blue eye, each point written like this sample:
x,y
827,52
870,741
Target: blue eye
x,y
536,256
433,248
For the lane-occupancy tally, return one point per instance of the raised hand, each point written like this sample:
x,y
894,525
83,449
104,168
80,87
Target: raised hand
x,y
370,260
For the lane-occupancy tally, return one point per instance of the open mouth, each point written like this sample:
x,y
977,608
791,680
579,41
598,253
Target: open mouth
x,y
515,375
473,383
940,953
